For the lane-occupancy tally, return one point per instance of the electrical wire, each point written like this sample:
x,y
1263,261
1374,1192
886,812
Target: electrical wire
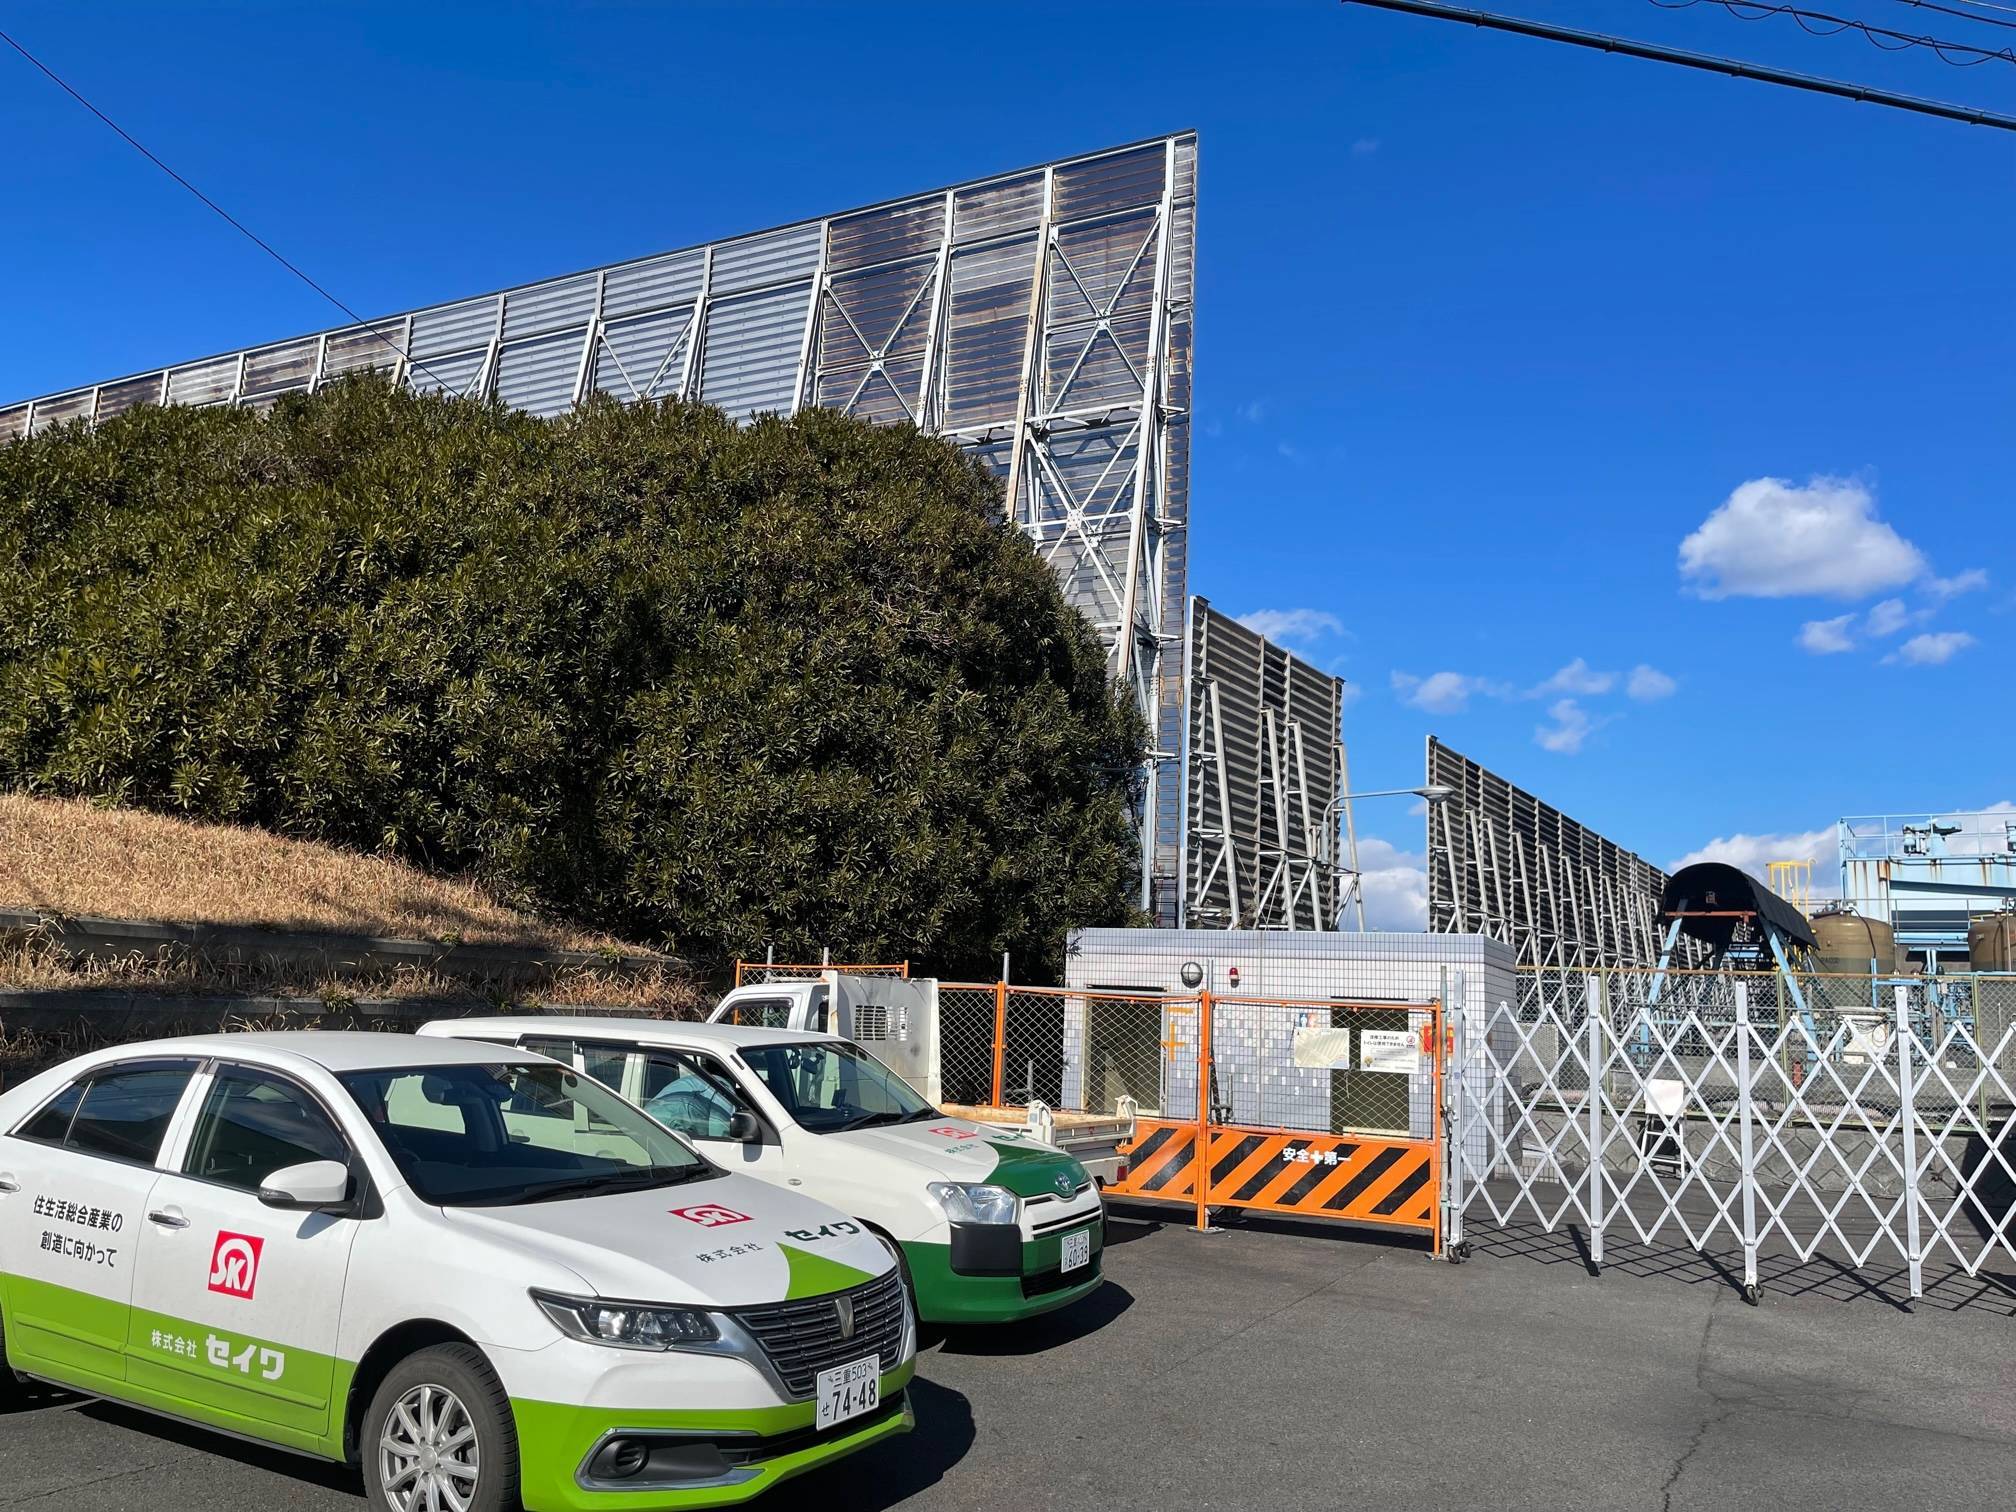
x,y
1834,26
228,218
1733,68
1965,15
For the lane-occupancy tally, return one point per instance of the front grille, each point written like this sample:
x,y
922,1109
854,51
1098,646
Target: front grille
x,y
803,1338
1045,1282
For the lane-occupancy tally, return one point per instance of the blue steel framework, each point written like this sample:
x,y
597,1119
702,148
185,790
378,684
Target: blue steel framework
x,y
1041,319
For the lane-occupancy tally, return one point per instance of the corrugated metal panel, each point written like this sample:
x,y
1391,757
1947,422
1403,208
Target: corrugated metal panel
x,y
291,365
13,422
988,332
758,261
1090,263
538,375
131,393
456,374
886,307
210,382
886,235
375,347
652,284
75,405
549,306
453,328
643,357
1097,365
750,355
998,207
1113,182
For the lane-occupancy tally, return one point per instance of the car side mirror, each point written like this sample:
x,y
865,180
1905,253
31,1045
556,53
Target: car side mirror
x,y
307,1188
745,1127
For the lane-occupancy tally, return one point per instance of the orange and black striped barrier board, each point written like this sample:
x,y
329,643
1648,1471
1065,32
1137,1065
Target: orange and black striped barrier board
x,y
1361,1177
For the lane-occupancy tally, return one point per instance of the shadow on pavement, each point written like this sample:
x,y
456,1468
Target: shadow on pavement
x,y
34,1396
1034,1335
1781,1274
295,1467
901,1467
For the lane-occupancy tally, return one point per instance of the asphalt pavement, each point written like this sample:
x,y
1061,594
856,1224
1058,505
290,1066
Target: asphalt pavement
x,y
1274,1365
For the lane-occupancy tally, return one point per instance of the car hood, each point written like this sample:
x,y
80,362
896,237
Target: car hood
x,y
731,1241
957,1149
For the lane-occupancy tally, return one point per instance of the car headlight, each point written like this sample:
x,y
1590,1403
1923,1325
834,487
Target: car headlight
x,y
627,1325
971,1202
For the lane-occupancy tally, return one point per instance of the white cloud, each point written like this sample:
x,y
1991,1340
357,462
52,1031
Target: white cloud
x,y
1253,411
1444,692
1648,684
1572,725
1289,450
1293,626
1395,886
1826,637
1755,853
1364,146
1931,650
1890,616
1577,677
1773,539
1959,583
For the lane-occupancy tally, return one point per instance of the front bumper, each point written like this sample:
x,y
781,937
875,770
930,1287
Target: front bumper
x,y
761,1447
1008,1290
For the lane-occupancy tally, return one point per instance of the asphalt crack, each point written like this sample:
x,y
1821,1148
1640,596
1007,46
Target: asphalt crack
x,y
1719,1407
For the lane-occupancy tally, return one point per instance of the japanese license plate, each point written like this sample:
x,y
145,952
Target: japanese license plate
x,y
1077,1250
847,1391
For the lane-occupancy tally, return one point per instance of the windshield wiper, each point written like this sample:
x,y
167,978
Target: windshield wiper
x,y
612,1181
866,1119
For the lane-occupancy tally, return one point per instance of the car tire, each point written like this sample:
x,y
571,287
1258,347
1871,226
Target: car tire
x,y
10,1385
446,1399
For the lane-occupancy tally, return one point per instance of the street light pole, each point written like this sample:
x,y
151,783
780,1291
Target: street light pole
x,y
1432,793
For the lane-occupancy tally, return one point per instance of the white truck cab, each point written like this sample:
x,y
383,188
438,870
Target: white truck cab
x,y
991,1224
481,1275
898,1020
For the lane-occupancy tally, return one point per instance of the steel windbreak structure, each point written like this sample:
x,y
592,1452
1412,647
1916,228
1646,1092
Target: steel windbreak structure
x,y
1041,318
1504,864
1262,783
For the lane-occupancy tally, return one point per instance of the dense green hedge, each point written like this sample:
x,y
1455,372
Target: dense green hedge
x,y
709,684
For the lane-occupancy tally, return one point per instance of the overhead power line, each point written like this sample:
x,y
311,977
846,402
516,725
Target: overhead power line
x,y
1969,56
1733,68
228,218
1966,15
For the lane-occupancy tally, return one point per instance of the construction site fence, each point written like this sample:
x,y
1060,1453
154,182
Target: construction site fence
x,y
755,973
1870,1117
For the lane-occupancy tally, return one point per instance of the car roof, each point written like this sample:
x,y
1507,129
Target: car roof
x,y
334,1050
643,1031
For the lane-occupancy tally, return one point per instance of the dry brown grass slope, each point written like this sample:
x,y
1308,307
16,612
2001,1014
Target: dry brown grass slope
x,y
76,858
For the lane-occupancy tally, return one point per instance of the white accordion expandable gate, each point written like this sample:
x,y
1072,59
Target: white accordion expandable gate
x,y
1883,1131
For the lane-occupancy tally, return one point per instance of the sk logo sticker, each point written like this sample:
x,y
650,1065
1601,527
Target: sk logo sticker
x,y
709,1215
234,1264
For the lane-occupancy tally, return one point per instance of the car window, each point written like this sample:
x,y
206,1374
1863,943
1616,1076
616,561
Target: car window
x,y
604,1063
561,1050
52,1124
830,1086
476,1135
688,1093
762,1013
124,1112
252,1125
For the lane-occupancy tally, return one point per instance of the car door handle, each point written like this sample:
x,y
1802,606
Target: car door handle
x,y
9,1184
168,1218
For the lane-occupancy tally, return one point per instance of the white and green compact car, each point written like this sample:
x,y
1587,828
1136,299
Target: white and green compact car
x,y
481,1275
993,1226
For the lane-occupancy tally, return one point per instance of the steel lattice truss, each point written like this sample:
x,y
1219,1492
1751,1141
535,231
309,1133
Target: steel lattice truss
x,y
1263,783
1504,864
1040,318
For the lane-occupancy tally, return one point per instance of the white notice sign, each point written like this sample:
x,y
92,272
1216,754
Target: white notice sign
x,y
1394,1050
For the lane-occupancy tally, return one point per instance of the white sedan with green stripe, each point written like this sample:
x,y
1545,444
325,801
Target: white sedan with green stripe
x,y
993,1226
482,1276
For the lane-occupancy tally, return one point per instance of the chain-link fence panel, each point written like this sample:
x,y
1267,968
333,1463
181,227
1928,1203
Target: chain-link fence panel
x,y
755,973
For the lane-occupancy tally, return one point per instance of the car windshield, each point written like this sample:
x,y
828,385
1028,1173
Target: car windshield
x,y
832,1087
488,1136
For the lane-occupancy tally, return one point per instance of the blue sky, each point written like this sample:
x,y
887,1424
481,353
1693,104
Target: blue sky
x,y
1519,369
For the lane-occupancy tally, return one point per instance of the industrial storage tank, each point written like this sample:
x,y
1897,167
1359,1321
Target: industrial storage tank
x,y
1991,942
1846,942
